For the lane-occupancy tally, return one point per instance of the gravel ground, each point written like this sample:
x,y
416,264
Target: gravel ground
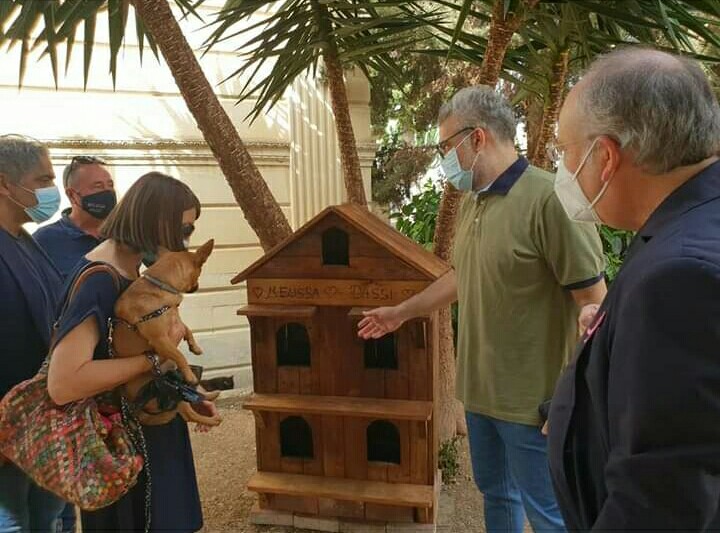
x,y
225,459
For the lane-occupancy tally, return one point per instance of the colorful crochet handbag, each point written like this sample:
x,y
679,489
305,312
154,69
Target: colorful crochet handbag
x,y
85,457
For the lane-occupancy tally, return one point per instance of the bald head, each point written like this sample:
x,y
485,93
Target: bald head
x,y
658,106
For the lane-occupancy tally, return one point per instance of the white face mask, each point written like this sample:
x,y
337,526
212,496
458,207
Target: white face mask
x,y
571,196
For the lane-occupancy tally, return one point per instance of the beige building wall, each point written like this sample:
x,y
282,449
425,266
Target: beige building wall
x,y
143,124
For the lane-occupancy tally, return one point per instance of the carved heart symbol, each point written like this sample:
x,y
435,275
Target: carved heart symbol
x,y
331,291
257,292
408,292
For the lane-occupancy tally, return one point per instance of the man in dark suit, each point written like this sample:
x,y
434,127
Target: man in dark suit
x,y
634,438
30,287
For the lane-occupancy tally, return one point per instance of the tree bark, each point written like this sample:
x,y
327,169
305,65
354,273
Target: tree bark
x,y
451,419
551,110
352,174
249,188
349,158
533,122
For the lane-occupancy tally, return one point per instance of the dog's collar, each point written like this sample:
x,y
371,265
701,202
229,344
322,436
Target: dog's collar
x,y
161,284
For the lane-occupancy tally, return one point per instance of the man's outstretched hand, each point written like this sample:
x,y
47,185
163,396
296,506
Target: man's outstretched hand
x,y
379,322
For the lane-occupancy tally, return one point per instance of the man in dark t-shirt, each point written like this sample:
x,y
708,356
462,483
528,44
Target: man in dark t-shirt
x,y
91,191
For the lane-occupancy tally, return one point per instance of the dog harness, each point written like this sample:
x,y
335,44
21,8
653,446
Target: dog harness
x,y
158,312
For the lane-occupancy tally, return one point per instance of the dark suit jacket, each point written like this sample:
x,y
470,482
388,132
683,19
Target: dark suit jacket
x,y
635,421
29,294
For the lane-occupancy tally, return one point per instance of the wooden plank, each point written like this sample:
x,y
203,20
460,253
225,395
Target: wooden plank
x,y
307,381
264,357
399,494
434,344
329,348
340,508
314,466
389,513
333,435
419,453
353,368
293,504
282,311
341,406
334,292
377,471
359,267
259,445
419,361
292,465
397,382
356,463
429,515
373,382
288,380
402,473
270,450
264,501
310,378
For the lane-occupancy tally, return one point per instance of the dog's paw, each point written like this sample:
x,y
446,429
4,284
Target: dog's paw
x,y
211,396
194,348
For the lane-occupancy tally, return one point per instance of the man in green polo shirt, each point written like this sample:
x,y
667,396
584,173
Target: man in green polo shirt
x,y
524,277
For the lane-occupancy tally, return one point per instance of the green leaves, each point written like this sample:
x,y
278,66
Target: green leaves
x,y
418,217
50,23
615,246
294,37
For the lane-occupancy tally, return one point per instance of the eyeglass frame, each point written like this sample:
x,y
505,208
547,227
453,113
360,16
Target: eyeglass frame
x,y
555,153
77,161
439,146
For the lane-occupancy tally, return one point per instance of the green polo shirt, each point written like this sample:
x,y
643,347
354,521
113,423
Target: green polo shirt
x,y
517,256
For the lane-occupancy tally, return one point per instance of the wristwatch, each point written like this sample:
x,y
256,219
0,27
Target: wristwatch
x,y
154,361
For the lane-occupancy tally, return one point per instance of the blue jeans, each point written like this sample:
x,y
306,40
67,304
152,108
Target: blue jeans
x,y
510,466
24,506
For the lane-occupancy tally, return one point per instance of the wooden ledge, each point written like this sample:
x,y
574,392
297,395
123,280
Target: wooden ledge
x,y
341,406
283,311
400,494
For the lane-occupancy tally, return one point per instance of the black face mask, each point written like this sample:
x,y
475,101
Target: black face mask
x,y
99,204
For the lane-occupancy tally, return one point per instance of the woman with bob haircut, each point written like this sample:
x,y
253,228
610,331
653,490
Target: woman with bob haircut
x,y
156,215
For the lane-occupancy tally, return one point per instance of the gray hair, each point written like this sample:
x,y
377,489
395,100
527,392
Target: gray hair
x,y
19,155
658,105
481,107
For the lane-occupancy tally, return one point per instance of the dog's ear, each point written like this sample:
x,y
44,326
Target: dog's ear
x,y
204,252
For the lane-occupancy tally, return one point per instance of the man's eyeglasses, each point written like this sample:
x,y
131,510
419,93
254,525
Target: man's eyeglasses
x,y
443,146
556,151
78,161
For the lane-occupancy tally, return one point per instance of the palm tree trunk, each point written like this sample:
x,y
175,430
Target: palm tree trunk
x,y
551,110
249,188
533,121
451,419
349,158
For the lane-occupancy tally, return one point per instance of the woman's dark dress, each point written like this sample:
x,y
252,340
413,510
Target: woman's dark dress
x,y
175,498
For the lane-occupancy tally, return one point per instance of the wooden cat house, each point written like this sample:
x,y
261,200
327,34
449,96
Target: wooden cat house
x,y
345,427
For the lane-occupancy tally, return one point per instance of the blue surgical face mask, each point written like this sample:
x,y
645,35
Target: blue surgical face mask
x,y
458,177
48,203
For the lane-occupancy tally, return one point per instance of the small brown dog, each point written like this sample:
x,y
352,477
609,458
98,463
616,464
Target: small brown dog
x,y
147,314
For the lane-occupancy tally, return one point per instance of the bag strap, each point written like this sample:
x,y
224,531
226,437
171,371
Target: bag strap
x,y
89,269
